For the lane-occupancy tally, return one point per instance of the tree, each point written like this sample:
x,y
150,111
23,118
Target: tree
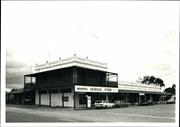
x,y
153,80
159,81
174,86
171,90
146,80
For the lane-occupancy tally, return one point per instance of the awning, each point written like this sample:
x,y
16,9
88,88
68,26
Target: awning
x,y
134,91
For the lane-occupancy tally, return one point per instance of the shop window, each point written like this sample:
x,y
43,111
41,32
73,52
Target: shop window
x,y
54,91
43,91
67,90
27,79
34,80
66,98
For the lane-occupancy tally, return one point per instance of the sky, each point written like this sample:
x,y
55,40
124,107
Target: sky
x,y
135,38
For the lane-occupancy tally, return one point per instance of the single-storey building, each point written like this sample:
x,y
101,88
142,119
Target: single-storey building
x,y
16,96
136,92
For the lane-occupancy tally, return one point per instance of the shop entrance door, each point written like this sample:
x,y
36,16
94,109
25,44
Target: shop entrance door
x,y
142,99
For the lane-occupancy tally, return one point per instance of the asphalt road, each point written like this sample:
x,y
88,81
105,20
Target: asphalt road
x,y
25,117
155,113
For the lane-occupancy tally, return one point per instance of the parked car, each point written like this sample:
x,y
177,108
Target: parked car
x,y
120,104
103,104
171,100
146,103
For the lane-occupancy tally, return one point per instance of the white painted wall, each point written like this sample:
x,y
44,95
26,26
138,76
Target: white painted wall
x,y
70,102
44,99
56,98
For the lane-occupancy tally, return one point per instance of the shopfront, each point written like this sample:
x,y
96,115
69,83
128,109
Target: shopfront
x,y
137,93
70,82
90,94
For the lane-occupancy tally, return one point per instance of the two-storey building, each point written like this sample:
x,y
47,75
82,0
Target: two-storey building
x,y
70,83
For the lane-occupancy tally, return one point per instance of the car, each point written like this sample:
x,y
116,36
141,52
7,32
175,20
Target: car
x,y
103,104
120,103
171,100
146,103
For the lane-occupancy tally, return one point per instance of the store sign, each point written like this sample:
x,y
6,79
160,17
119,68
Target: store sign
x,y
95,89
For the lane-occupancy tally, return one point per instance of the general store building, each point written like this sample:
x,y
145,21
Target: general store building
x,y
69,82
79,82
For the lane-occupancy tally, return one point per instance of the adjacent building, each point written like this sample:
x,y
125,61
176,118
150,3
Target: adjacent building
x,y
137,93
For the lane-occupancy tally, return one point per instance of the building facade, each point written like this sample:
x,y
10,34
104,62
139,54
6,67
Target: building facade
x,y
137,93
69,82
79,82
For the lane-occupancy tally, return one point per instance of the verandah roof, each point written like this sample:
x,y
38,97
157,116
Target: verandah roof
x,y
136,91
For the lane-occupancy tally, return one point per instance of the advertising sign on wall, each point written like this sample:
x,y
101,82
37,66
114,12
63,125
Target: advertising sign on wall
x,y
95,89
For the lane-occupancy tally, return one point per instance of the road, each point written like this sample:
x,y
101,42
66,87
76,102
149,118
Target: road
x,y
154,113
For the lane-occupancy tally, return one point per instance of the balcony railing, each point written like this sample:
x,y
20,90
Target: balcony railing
x,y
70,60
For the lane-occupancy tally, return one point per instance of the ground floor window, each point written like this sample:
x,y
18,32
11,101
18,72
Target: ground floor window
x,y
43,91
54,90
67,90
66,98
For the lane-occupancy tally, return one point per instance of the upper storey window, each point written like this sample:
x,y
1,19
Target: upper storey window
x,y
30,79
